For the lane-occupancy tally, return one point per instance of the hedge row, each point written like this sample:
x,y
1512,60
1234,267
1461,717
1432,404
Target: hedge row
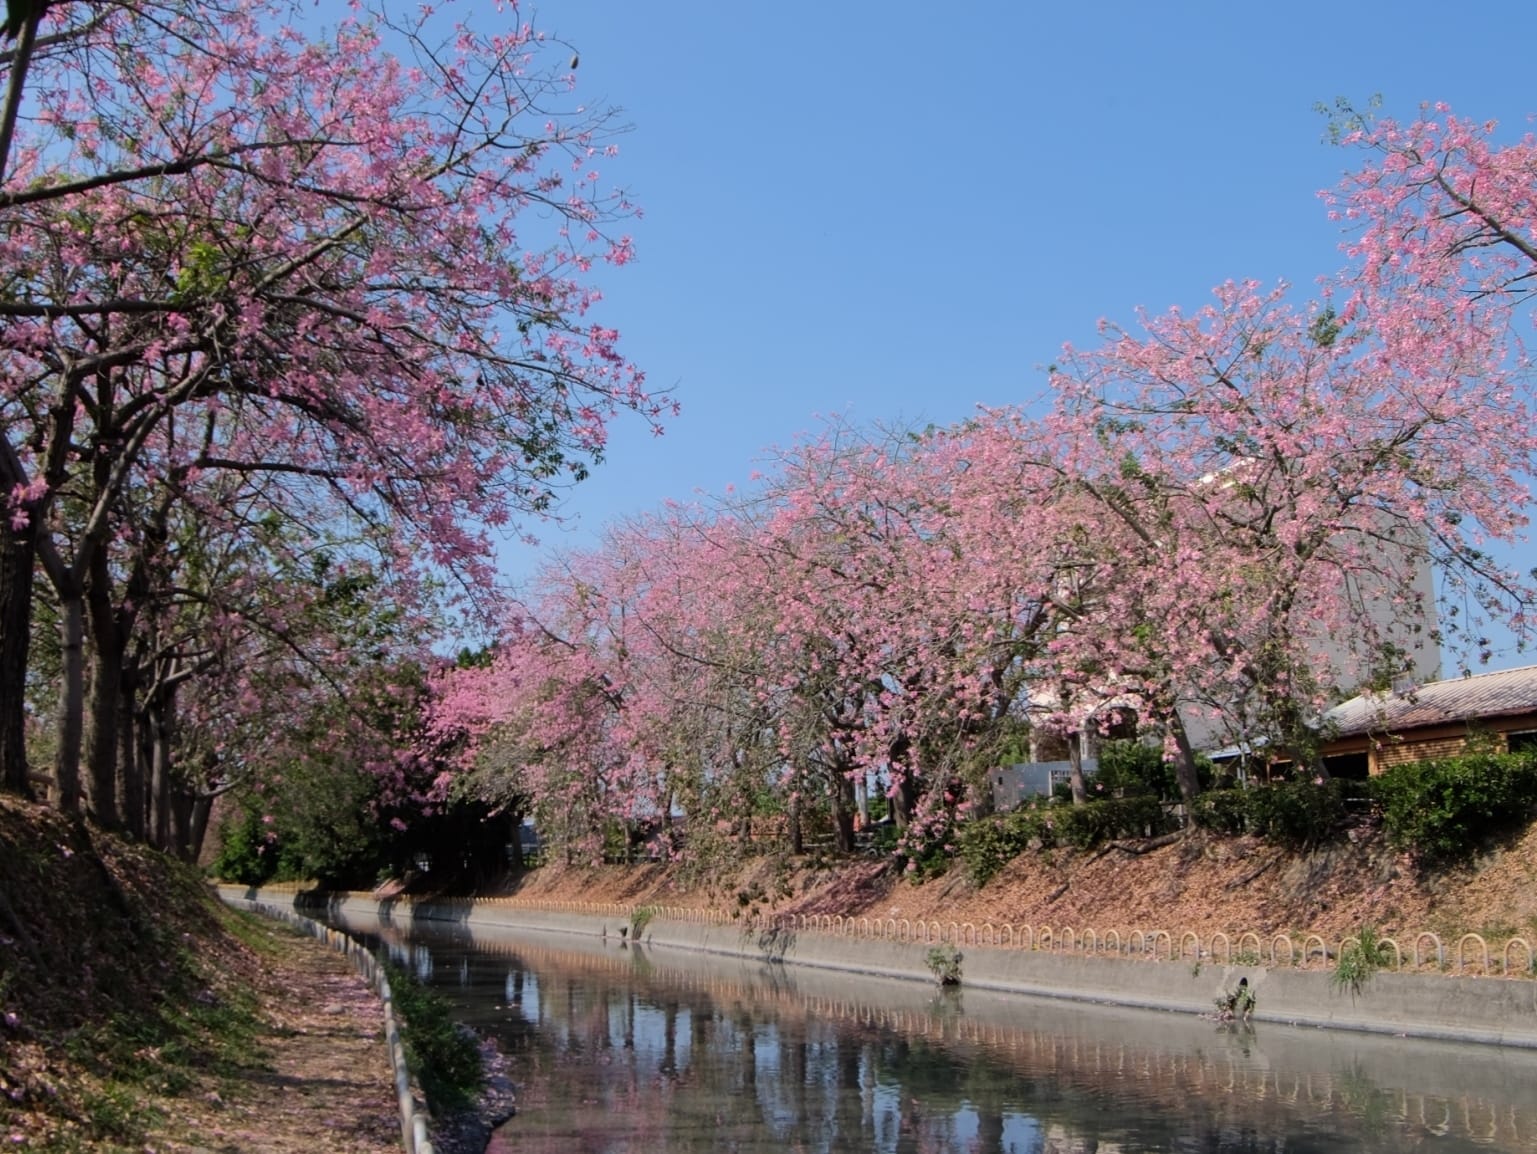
x,y
1449,809
1445,811
990,843
1297,815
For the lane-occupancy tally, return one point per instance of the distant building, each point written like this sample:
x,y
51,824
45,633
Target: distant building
x,y
1014,785
1378,731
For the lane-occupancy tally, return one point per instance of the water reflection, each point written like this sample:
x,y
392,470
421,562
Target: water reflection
x,y
621,1051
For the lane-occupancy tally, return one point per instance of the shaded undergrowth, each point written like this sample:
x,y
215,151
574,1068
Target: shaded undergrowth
x,y
122,983
444,1057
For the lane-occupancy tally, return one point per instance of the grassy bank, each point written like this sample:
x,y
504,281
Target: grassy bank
x,y
136,1011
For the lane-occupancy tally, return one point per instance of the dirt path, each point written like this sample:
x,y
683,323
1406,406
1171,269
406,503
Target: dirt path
x,y
317,1078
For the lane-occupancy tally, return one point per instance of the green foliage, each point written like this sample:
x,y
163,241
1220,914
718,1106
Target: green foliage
x,y
115,1113
640,918
1133,767
324,821
990,843
1085,826
1297,815
1359,959
244,854
1136,767
930,861
1446,810
1239,1004
443,1056
944,963
1325,328
1224,811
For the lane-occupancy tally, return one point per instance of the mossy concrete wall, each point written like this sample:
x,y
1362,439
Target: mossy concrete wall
x,y
1497,1011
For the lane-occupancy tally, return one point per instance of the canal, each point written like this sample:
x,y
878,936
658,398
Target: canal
x,y
621,1049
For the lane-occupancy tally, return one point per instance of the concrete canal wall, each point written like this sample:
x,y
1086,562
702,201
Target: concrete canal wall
x,y
1495,1011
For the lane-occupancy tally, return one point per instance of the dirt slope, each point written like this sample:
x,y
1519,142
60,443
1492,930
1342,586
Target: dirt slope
x,y
136,1013
1199,883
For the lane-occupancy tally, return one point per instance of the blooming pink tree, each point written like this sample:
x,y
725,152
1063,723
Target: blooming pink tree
x,y
1440,209
312,247
1225,520
1287,473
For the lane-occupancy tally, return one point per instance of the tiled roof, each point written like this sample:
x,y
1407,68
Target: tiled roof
x,y
1499,694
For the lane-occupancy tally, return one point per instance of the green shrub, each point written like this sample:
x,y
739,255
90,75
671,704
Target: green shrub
x,y
1359,959
1446,810
990,843
245,856
1136,767
443,1056
945,964
1223,811
1097,822
1297,815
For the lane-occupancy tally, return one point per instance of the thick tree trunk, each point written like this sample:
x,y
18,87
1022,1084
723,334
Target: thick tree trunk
x,y
66,769
903,794
181,821
159,715
18,558
904,801
843,814
99,741
144,755
202,808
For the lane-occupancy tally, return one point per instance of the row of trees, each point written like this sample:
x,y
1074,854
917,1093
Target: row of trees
x,y
1227,515
295,318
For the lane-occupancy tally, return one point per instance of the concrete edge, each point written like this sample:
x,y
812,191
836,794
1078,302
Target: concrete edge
x,y
1482,1011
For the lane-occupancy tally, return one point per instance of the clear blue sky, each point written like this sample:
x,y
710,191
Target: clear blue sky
x,y
897,211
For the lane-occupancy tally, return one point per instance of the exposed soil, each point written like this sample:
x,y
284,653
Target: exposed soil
x,y
1196,883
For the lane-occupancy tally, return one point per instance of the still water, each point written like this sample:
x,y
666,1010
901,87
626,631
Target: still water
x,y
636,1050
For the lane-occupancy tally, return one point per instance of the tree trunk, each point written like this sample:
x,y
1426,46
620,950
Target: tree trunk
x,y
796,842
130,764
1185,775
903,794
18,557
66,770
103,699
181,821
202,807
160,773
1075,768
103,696
844,803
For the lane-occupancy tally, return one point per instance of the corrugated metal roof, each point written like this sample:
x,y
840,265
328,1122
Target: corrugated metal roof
x,y
1438,703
